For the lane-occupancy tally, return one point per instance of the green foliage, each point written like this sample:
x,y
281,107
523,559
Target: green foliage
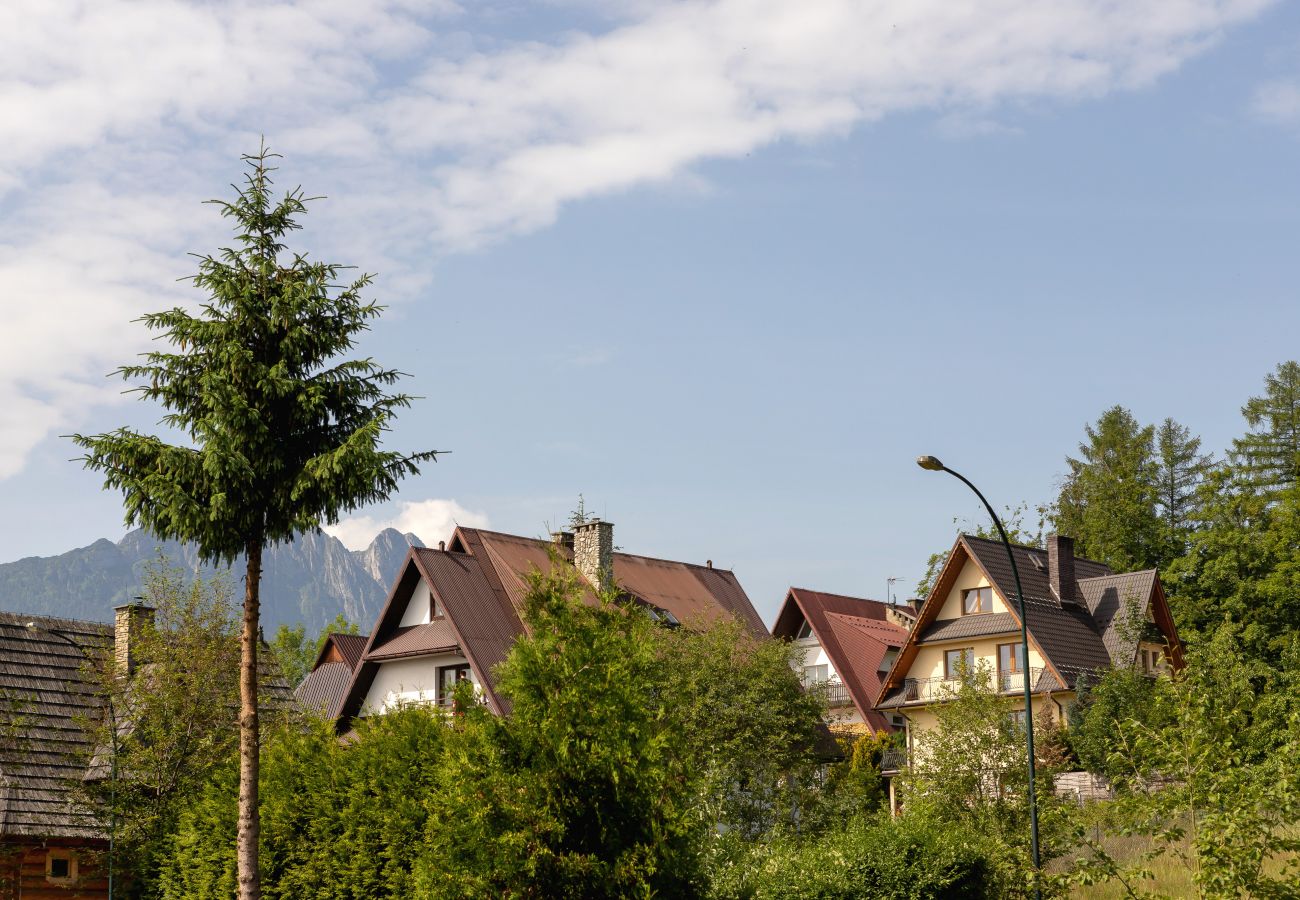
x,y
1108,500
1269,458
1210,774
748,727
282,438
582,791
865,858
175,719
338,822
854,786
1121,695
1180,470
295,655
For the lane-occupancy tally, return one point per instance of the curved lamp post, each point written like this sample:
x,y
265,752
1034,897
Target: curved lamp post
x,y
932,464
112,721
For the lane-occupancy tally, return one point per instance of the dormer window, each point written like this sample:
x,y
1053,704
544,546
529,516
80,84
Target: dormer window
x,y
976,600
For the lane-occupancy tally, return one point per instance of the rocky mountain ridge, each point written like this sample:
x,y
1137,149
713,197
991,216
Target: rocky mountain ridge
x,y
310,580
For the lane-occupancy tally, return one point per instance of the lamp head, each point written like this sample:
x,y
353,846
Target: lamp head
x,y
929,463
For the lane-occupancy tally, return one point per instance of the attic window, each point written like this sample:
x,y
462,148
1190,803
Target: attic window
x,y
976,600
1039,563
805,631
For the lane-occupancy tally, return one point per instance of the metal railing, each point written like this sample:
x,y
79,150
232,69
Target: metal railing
x,y
893,761
836,693
928,690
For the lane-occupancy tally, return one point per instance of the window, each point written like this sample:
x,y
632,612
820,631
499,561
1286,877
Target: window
x,y
957,663
805,631
976,600
60,866
448,678
1017,718
1011,665
816,675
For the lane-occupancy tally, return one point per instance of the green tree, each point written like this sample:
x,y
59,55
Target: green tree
x,y
282,435
582,790
1107,502
340,822
295,654
748,727
1180,470
1269,457
1120,695
1209,774
175,719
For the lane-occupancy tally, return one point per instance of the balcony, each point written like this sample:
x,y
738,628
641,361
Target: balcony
x,y
893,761
836,693
929,690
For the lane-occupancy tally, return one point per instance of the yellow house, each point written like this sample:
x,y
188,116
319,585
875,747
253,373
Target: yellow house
x,y
1082,618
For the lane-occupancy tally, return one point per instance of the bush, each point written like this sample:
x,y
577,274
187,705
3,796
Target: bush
x,y
868,858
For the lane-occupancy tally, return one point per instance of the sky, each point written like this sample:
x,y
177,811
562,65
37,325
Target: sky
x,y
722,269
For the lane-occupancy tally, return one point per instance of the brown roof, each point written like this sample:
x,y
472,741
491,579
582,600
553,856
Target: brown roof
x,y
324,688
1075,638
479,584
46,688
854,634
349,646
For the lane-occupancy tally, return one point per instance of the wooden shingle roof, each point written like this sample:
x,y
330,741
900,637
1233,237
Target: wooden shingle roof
x,y
47,690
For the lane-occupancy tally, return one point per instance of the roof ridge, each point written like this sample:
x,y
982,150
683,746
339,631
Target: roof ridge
x,y
842,596
21,619
998,541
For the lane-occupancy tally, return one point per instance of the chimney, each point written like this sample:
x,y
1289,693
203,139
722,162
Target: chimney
x,y
593,553
128,622
1060,566
562,539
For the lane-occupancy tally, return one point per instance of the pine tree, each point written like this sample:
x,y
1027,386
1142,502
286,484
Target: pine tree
x,y
1270,456
1108,499
1180,469
284,437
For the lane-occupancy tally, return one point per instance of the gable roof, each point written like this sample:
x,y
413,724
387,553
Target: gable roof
x,y
855,635
479,584
1074,638
46,688
327,683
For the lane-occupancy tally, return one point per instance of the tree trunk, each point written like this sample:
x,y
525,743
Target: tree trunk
x,y
250,877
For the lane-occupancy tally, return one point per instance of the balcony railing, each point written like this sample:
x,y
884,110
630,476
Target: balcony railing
x,y
928,690
836,693
893,761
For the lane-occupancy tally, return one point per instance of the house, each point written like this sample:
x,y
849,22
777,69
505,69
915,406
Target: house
x,y
50,846
849,646
326,685
51,689
1083,618
454,612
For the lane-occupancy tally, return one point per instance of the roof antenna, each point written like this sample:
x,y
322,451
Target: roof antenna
x,y
889,590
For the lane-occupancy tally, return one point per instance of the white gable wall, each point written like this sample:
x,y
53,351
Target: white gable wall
x,y
406,681
418,607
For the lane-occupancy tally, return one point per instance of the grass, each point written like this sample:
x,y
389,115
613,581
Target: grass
x,y
1171,876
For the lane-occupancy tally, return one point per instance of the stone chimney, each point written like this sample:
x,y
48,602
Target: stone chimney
x,y
1060,567
128,622
593,553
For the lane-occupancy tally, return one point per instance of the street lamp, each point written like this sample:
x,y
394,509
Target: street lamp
x,y
112,720
932,464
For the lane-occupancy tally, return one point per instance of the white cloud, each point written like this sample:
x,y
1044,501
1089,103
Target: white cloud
x,y
429,520
1277,102
120,115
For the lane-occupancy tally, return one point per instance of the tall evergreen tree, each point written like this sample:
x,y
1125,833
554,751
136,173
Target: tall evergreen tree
x,y
1108,499
1180,469
1269,456
284,436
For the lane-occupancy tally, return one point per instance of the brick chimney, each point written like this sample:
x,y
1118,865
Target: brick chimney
x,y
128,622
1060,567
593,553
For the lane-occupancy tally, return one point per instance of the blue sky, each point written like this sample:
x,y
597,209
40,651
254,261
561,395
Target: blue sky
x,y
723,268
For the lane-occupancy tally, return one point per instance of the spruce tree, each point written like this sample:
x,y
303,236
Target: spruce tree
x,y
1180,469
1108,499
284,436
1269,457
